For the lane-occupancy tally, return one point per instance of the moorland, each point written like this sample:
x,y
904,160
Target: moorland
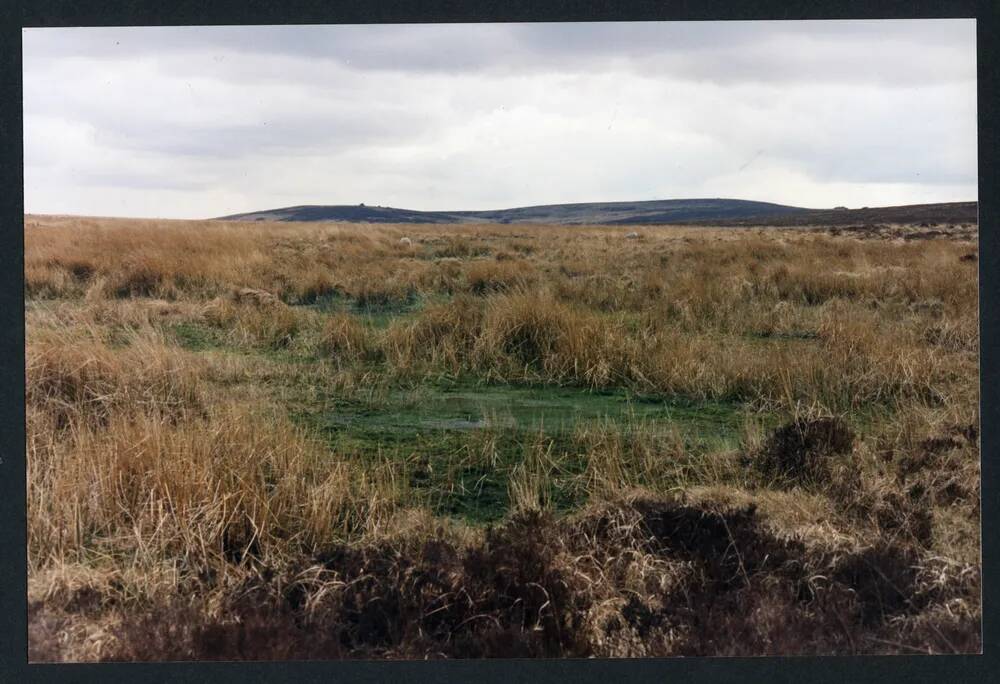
x,y
318,440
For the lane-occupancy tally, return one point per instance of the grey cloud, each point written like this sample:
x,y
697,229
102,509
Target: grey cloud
x,y
486,116
718,51
273,137
134,181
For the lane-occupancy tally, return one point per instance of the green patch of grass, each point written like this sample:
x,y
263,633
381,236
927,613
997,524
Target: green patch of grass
x,y
480,498
379,314
373,311
459,442
327,302
199,337
381,318
474,488
460,405
196,336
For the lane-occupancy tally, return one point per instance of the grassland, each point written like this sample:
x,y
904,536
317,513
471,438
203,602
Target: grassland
x,y
257,440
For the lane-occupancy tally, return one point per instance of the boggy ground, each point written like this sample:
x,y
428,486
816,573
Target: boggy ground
x,y
321,441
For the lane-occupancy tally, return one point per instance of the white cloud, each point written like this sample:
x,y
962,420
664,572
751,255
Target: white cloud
x,y
196,122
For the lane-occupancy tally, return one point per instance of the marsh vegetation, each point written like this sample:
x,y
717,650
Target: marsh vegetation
x,y
270,440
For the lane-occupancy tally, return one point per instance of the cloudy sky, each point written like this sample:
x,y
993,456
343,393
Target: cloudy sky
x,y
195,122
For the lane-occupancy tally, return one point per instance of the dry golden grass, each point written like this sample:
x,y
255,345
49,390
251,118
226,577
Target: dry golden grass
x,y
179,507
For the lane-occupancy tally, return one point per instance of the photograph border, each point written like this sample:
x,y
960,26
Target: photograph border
x,y
19,14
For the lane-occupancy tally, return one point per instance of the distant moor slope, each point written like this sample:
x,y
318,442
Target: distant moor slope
x,y
720,212
609,213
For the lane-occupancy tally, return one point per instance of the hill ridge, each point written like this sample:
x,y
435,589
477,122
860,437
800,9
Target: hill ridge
x,y
717,211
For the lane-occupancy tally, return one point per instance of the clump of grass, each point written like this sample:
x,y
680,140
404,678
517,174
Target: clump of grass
x,y
77,379
313,284
346,339
443,335
138,276
530,482
230,486
379,296
531,334
634,454
527,328
273,326
49,281
484,277
459,247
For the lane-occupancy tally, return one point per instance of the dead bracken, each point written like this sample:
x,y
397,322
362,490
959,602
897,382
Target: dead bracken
x,y
539,587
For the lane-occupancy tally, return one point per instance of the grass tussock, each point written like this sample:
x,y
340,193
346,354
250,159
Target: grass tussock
x,y
79,380
346,339
223,488
255,321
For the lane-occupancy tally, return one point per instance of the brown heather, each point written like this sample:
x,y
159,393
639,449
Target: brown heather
x,y
184,504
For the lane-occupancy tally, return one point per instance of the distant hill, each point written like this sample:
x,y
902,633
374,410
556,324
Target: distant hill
x,y
613,213
690,211
949,212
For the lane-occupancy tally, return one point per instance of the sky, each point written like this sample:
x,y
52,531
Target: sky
x,y
198,122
